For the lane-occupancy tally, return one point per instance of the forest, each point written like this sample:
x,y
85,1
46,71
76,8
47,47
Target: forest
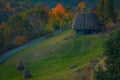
x,y
21,21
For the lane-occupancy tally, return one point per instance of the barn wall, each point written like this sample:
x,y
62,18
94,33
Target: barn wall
x,y
86,23
86,31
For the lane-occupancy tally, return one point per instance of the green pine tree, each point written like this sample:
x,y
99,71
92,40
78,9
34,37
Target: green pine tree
x,y
112,53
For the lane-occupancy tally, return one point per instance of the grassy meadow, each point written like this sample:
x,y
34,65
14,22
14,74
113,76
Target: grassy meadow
x,y
56,58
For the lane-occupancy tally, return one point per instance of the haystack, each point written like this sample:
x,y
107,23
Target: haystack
x,y
27,74
20,66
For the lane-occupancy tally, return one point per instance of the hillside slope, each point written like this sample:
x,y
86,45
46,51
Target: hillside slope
x,y
58,58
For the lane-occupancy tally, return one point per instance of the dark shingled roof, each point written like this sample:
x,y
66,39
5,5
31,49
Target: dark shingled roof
x,y
86,21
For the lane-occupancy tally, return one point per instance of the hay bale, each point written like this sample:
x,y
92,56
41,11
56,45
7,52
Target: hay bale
x,y
20,66
27,74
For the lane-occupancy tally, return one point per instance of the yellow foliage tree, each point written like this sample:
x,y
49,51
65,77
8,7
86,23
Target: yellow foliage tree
x,y
49,26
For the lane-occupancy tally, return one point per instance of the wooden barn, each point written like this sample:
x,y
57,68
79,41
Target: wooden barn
x,y
86,23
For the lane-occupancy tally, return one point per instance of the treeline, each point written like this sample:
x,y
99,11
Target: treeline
x,y
9,7
106,12
110,69
22,27
21,22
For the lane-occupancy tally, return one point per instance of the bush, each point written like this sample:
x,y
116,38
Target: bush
x,y
112,53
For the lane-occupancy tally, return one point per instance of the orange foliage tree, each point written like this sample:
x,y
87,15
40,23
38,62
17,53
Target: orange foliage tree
x,y
19,40
59,9
82,5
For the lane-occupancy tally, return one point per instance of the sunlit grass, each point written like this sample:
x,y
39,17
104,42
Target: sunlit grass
x,y
52,58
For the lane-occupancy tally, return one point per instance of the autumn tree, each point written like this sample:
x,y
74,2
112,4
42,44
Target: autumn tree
x,y
81,6
61,17
49,27
19,40
55,20
59,9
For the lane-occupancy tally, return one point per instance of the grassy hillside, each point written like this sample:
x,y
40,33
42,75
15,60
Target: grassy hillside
x,y
55,58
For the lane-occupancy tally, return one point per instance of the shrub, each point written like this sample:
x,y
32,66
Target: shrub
x,y
112,53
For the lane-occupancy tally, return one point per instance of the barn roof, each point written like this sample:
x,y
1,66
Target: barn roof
x,y
87,21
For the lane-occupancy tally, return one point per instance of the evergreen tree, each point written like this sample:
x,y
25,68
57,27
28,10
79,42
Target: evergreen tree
x,y
112,53
105,10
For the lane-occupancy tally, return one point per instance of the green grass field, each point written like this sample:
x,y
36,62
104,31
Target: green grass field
x,y
52,58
